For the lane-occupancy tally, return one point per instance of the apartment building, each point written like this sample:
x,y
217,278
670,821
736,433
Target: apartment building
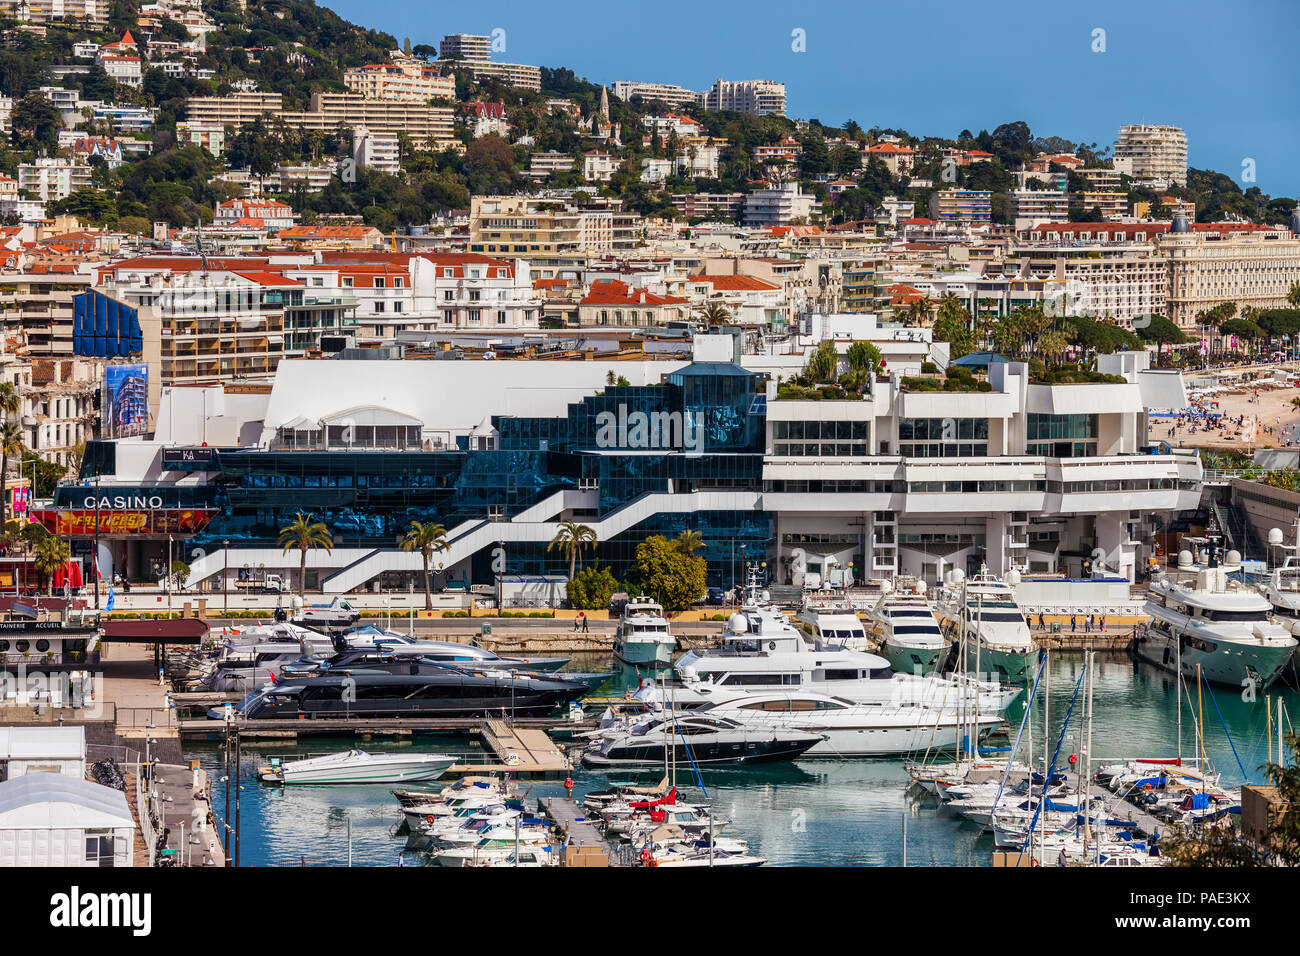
x,y
465,46
403,82
331,111
206,135
1101,179
970,206
38,305
1251,267
540,227
122,67
1113,206
512,74
1032,206
665,93
756,97
1121,280
598,167
253,213
236,109
725,206
897,158
234,320
93,12
780,206
62,412
542,165
376,150
1152,154
397,293
611,302
51,179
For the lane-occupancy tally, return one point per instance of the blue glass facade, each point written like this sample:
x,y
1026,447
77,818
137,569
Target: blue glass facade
x,y
702,429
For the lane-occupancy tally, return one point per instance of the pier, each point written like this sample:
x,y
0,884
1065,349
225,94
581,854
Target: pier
x,y
584,845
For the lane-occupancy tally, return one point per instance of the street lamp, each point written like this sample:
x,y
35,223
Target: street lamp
x,y
225,580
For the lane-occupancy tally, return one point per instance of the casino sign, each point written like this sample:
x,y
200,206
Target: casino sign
x,y
123,516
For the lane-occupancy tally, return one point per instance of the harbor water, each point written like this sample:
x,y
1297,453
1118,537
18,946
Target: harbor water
x,y
810,812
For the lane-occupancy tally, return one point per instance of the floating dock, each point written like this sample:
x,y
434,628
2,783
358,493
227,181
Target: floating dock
x,y
584,845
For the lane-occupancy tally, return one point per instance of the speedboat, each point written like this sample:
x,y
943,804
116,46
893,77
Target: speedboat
x,y
1204,622
357,766
698,738
642,637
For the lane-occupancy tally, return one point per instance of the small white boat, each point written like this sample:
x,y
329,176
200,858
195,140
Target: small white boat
x,y
357,766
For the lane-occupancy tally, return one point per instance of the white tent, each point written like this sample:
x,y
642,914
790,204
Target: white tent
x,y
42,750
50,820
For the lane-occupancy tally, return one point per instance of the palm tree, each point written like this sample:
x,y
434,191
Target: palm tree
x,y
305,535
52,553
425,538
11,439
713,313
1293,295
570,540
690,542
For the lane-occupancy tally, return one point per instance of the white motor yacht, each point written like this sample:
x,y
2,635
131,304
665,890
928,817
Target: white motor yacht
x,y
1203,621
991,630
642,637
910,636
357,766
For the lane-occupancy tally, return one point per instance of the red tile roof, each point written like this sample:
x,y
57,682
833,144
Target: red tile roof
x,y
613,292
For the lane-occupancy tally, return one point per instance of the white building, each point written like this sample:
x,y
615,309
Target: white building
x,y
666,93
57,750
598,167
1152,154
779,207
47,819
756,97
371,150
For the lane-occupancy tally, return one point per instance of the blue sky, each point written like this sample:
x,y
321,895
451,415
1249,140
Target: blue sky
x,y
1226,72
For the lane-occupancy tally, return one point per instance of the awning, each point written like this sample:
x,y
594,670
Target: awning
x,y
186,630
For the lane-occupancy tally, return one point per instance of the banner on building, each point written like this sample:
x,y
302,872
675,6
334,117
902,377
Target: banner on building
x,y
82,523
128,399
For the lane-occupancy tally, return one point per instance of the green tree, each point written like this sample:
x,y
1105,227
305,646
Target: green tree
x,y
823,363
863,356
425,538
713,313
180,573
570,540
591,588
1293,295
11,439
51,554
661,569
689,542
305,535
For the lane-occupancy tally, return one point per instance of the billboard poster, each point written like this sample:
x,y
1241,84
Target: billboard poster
x,y
128,399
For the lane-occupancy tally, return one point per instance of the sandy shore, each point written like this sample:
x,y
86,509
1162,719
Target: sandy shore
x,y
1265,413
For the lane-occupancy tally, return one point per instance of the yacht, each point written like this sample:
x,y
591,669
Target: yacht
x,y
642,637
992,633
697,738
356,766
850,729
1203,621
242,667
446,652
835,624
911,639
372,693
761,651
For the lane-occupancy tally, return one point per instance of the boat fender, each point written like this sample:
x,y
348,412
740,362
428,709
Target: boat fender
x,y
1034,862
428,818
645,856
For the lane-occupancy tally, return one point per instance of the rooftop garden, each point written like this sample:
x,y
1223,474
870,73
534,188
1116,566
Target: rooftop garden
x,y
821,379
1072,375
957,379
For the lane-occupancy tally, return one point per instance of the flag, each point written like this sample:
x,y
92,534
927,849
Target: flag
x,y
108,605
